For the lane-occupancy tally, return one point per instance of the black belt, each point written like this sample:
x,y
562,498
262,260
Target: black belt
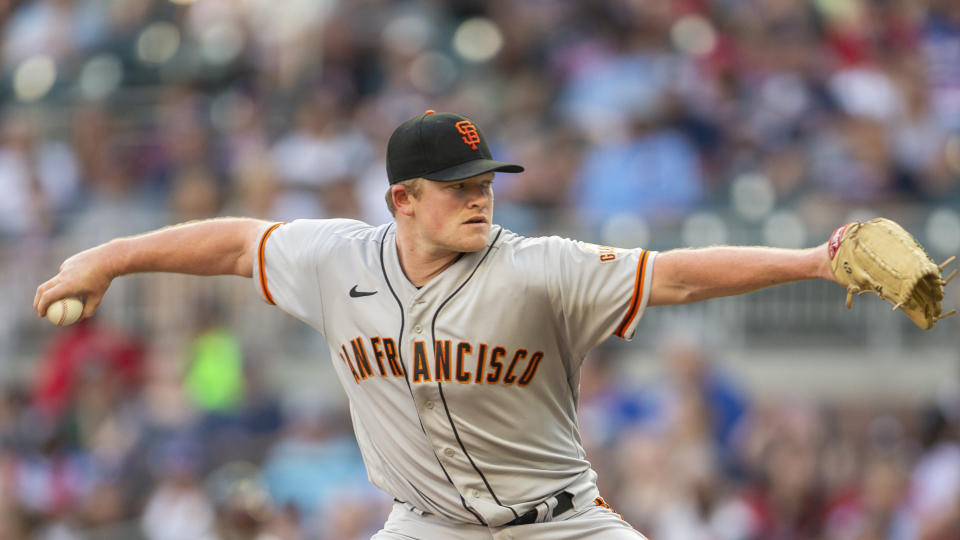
x,y
564,503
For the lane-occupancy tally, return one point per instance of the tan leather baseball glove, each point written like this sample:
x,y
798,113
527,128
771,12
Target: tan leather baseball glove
x,y
880,257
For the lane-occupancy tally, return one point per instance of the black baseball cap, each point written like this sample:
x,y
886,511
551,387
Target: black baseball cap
x,y
440,146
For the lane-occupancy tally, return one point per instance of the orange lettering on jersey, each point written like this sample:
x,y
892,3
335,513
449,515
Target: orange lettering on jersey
x,y
441,360
531,369
509,377
463,349
390,349
494,377
607,253
360,354
481,360
420,370
470,136
356,359
345,356
378,355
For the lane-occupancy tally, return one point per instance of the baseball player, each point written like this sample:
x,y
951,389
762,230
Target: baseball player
x,y
458,342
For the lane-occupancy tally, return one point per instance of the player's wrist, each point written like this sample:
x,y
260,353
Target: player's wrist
x,y
814,263
109,260
820,259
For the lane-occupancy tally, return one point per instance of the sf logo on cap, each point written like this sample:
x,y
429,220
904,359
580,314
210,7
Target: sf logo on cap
x,y
469,132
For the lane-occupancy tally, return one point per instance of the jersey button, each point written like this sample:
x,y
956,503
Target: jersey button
x,y
418,329
449,452
475,493
429,405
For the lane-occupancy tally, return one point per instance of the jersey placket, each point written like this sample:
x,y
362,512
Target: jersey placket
x,y
419,307
474,485
416,309
430,403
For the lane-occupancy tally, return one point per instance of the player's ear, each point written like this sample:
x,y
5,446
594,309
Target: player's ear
x,y
401,196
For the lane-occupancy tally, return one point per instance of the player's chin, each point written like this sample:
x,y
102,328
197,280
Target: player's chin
x,y
474,236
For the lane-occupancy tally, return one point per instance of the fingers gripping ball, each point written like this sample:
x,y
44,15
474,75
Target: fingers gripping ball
x,y
880,257
65,311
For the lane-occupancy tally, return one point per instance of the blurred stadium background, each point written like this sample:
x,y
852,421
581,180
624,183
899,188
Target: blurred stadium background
x,y
188,409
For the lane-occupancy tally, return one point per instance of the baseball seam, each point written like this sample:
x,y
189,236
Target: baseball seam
x,y
63,312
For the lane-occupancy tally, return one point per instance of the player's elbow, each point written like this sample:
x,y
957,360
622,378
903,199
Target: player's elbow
x,y
247,242
243,266
669,294
670,284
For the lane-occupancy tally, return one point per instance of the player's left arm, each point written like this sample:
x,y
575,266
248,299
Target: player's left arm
x,y
683,276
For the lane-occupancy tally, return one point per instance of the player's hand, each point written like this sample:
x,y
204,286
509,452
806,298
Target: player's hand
x,y
82,275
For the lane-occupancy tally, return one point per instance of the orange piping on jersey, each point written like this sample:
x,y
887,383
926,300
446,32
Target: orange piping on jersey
x,y
261,258
600,502
637,296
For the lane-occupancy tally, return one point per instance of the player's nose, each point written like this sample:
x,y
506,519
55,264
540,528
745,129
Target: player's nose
x,y
479,197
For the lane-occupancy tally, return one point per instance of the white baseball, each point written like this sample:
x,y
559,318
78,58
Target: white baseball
x,y
65,311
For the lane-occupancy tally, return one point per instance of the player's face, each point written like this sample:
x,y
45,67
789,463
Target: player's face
x,y
456,216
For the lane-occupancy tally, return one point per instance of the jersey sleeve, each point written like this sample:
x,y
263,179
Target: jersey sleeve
x,y
288,264
600,290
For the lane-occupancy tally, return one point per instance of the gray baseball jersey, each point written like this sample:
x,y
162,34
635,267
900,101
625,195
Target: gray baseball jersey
x,y
463,392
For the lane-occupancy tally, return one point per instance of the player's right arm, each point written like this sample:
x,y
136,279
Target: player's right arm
x,y
210,247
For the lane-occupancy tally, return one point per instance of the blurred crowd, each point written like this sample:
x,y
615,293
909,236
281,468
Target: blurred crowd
x,y
110,441
113,441
693,455
617,107
119,116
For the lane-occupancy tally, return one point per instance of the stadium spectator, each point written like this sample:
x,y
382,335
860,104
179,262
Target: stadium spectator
x,y
158,112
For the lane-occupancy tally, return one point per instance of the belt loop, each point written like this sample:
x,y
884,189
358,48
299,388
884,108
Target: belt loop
x,y
546,510
546,514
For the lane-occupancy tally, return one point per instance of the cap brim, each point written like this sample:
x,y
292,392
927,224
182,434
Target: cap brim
x,y
472,168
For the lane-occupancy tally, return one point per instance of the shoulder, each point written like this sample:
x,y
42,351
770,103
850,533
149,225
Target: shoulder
x,y
534,251
321,236
511,242
346,229
553,250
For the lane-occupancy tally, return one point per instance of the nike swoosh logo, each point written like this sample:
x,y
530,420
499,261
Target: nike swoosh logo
x,y
354,293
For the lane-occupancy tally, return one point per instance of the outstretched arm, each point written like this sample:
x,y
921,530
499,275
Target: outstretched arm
x,y
689,275
210,247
